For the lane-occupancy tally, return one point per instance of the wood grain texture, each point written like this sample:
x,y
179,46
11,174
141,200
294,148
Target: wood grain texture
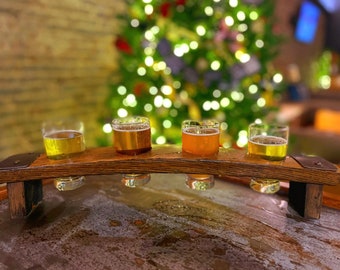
x,y
169,159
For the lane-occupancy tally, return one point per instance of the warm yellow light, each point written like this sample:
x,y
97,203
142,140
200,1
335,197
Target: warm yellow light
x,y
130,101
240,37
148,9
225,102
242,27
122,112
244,58
215,65
209,11
161,140
233,3
277,78
241,16
134,23
167,124
206,105
229,21
166,90
107,128
167,103
121,90
158,101
193,45
254,15
325,82
215,105
148,107
153,90
261,102
224,126
237,96
217,93
149,35
253,89
259,43
148,61
141,71
200,30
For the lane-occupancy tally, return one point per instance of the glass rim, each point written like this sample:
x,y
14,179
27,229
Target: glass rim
x,y
121,122
202,123
278,126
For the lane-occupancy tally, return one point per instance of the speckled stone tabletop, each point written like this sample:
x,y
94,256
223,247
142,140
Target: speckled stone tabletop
x,y
165,225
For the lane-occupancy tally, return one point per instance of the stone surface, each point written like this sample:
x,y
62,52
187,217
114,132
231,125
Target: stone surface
x,y
165,225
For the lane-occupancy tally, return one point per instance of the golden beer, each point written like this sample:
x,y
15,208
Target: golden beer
x,y
61,144
132,140
132,136
200,141
200,138
268,147
270,142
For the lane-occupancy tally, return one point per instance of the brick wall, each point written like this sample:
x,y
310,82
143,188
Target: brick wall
x,y
56,58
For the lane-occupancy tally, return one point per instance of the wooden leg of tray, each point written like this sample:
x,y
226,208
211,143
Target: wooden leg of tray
x,y
306,199
23,197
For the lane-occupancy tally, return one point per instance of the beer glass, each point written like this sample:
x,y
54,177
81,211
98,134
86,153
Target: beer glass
x,y
200,138
132,136
63,139
270,142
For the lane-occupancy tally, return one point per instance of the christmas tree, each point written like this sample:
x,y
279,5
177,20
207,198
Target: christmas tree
x,y
189,59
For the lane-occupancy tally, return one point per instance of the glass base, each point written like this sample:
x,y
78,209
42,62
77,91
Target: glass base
x,y
268,186
135,180
69,183
199,181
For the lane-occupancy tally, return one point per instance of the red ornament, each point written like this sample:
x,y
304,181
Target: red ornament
x,y
180,2
165,9
138,88
122,45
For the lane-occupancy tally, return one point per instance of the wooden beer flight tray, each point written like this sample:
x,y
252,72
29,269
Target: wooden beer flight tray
x,y
24,173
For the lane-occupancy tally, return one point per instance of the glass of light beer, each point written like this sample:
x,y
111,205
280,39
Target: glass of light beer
x,y
63,139
132,136
200,138
270,142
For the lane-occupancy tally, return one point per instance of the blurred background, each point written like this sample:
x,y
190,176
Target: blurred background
x,y
234,60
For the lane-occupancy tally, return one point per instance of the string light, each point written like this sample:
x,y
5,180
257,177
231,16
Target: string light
x,y
121,90
148,9
200,30
261,102
209,11
134,23
215,65
253,15
161,140
259,43
277,78
122,112
252,89
241,16
233,3
166,90
225,102
107,128
229,21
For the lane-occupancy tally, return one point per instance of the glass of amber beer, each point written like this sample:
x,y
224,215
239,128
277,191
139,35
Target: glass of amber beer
x,y
63,139
270,142
132,136
200,138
